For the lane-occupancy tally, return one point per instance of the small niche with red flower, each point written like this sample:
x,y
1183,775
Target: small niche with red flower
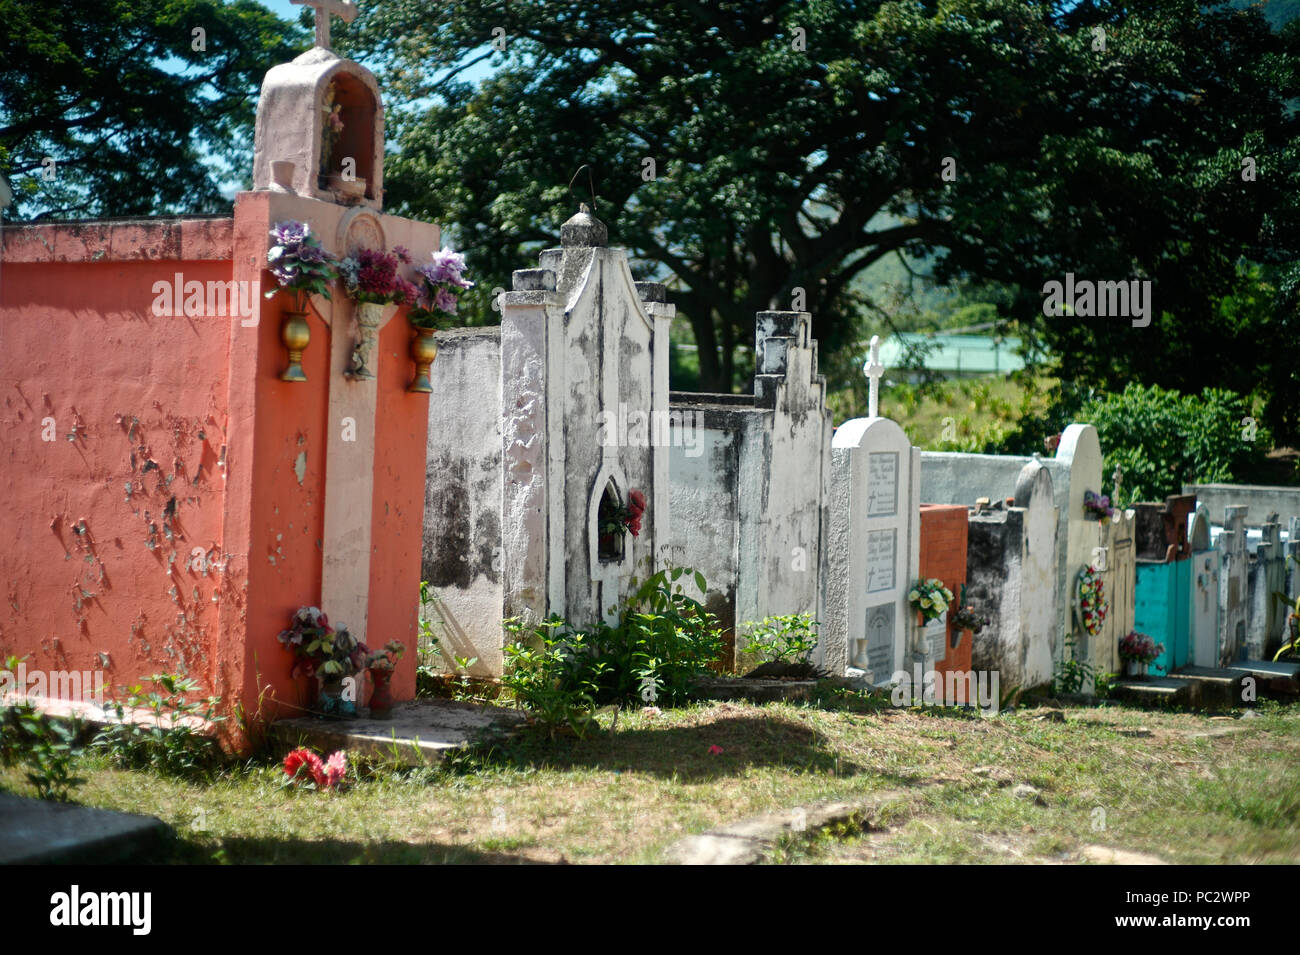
x,y
1092,600
615,519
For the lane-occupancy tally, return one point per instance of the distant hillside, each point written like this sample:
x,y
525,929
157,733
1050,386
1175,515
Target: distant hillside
x,y
1277,12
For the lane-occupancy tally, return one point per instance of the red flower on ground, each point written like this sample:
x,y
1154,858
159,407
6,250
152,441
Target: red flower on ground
x,y
336,768
714,750
303,762
295,761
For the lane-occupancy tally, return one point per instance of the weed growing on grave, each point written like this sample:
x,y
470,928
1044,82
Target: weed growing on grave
x,y
1071,675
173,741
1103,684
662,642
785,639
45,748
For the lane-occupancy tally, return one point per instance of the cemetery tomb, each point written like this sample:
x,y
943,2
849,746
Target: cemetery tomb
x,y
955,478
461,556
1204,597
1234,579
1259,500
747,476
873,548
548,430
1011,568
195,499
1163,584
1114,559
1266,576
943,556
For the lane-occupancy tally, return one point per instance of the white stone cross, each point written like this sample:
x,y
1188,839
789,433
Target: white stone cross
x,y
346,10
1114,501
873,369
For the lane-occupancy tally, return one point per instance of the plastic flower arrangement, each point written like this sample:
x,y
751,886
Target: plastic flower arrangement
x,y
319,648
625,517
299,262
966,617
1092,600
386,657
372,276
306,768
930,598
1098,505
1139,647
438,288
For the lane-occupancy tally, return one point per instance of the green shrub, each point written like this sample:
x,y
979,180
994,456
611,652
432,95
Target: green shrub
x,y
168,743
785,639
1071,676
1163,439
46,748
429,676
662,641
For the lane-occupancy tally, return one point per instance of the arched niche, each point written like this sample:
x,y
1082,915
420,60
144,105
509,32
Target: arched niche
x,y
611,539
609,551
294,130
346,100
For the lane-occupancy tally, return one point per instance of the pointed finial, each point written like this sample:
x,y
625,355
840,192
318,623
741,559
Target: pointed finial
x,y
583,230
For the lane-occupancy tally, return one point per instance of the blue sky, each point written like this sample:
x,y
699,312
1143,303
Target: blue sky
x,y
283,8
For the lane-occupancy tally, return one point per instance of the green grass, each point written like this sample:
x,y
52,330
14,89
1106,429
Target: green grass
x,y
1177,793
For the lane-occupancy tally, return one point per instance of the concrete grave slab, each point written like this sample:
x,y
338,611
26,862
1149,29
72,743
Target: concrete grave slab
x,y
421,732
41,832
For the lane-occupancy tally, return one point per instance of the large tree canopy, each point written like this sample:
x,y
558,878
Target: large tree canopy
x,y
797,143
140,113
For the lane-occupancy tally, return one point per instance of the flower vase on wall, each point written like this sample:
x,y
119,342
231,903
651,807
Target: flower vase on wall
x,y
367,317
295,335
424,349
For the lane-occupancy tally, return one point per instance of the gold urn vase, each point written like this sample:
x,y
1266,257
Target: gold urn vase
x,y
295,334
424,349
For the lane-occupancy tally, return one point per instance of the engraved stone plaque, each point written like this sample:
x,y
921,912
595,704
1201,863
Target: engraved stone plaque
x,y
882,484
882,548
880,641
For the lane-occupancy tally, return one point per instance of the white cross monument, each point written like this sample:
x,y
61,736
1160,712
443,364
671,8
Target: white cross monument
x,y
873,369
345,10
